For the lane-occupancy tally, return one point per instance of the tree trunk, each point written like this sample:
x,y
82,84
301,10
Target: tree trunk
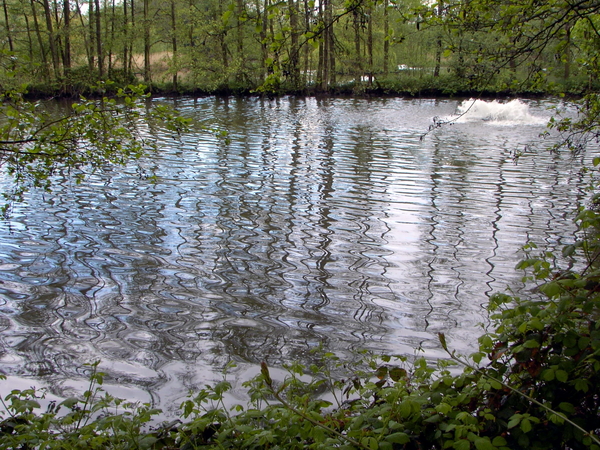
x,y
99,47
51,38
130,62
567,71
240,38
8,30
29,38
147,42
358,72
58,33
46,68
92,34
174,44
357,50
293,60
370,43
330,42
125,32
322,71
67,36
438,43
263,21
221,37
111,41
386,39
89,52
307,17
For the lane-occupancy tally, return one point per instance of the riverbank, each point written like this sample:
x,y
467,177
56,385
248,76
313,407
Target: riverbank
x,y
406,86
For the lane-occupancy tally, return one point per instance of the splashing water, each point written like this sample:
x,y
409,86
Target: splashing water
x,y
510,113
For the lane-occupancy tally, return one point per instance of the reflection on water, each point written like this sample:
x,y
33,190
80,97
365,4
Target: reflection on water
x,y
322,222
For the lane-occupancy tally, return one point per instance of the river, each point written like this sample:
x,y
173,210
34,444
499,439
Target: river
x,y
334,222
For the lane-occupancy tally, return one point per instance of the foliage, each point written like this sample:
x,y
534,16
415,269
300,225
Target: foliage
x,y
96,420
36,146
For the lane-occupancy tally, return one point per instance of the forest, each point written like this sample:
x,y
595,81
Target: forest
x,y
293,46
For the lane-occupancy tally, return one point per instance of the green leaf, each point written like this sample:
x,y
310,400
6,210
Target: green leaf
x,y
548,375
484,444
69,402
526,425
584,342
443,408
370,442
225,17
531,343
499,441
514,421
461,444
551,290
567,407
406,409
581,385
397,373
398,438
562,375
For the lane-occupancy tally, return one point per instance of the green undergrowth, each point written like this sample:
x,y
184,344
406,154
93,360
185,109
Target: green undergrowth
x,y
534,383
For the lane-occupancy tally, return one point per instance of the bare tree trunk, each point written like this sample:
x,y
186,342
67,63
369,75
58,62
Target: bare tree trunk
x,y
567,71
438,46
99,48
67,36
8,28
358,72
51,38
92,34
38,33
88,50
29,38
58,34
330,42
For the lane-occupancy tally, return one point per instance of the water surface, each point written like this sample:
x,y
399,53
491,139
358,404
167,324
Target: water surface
x,y
328,222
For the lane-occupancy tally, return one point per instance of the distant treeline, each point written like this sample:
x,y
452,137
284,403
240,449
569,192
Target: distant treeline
x,y
268,46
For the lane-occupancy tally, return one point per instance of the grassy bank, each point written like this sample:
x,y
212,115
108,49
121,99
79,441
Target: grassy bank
x,y
85,83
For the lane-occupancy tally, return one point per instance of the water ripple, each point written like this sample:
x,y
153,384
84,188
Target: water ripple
x,y
321,222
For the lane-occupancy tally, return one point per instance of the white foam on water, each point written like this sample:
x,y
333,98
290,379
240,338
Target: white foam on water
x,y
514,112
